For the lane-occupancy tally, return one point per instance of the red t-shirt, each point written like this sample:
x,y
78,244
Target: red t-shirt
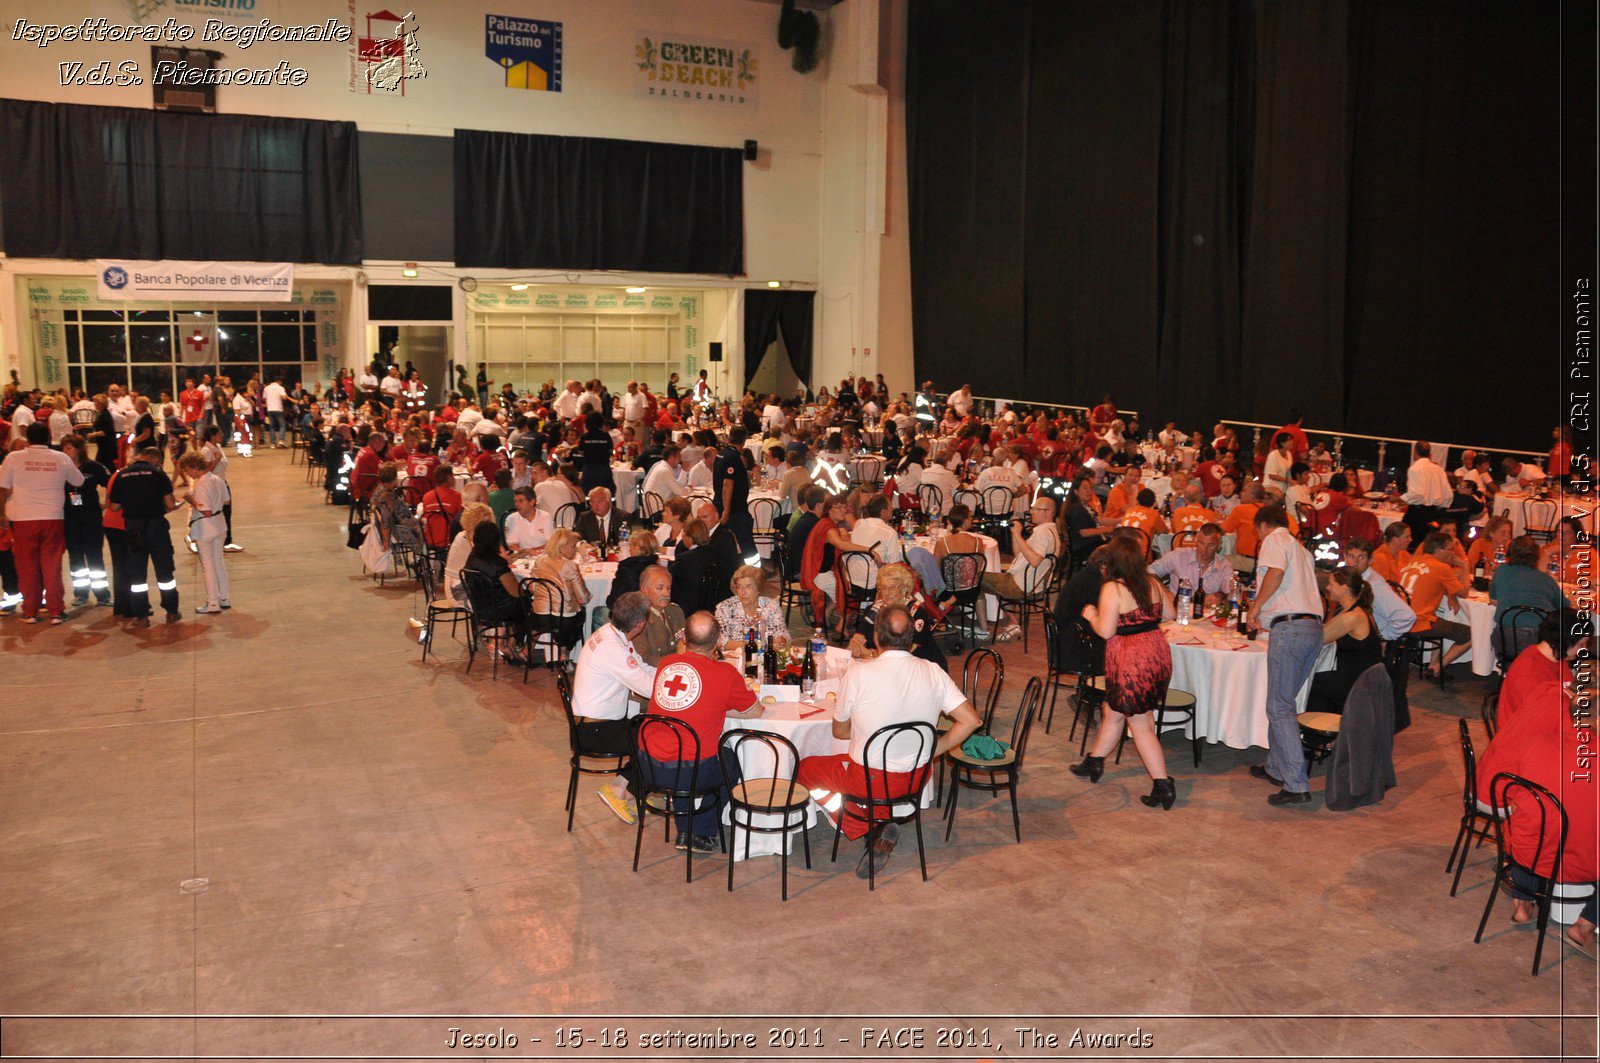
x,y
488,464
449,414
699,692
421,466
193,401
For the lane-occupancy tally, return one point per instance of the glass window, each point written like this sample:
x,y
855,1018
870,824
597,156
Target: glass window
x,y
308,343
105,344
280,343
280,315
287,374
96,378
74,343
69,315
150,343
152,380
239,344
150,316
102,315
240,317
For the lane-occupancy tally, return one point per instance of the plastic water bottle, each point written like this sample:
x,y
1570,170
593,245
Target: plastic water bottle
x,y
1499,556
818,659
1185,601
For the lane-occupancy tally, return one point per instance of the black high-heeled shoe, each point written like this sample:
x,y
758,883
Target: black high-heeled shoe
x,y
1163,792
1090,768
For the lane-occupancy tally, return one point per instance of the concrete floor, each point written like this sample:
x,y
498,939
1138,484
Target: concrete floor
x,y
380,836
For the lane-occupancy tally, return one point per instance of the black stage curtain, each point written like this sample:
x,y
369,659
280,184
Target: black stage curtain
x,y
1227,208
528,201
765,312
115,182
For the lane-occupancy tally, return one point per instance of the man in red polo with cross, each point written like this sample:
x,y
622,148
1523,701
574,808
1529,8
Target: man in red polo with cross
x,y
192,401
700,691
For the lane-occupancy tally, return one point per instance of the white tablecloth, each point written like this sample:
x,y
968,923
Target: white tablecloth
x,y
1511,505
627,481
1229,685
1477,612
1151,452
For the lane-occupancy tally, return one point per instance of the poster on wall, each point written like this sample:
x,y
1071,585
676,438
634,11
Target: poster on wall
x,y
208,282
49,344
527,50
696,70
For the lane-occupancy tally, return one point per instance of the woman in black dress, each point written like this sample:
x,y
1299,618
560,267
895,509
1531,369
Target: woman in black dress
x,y
1084,528
1358,645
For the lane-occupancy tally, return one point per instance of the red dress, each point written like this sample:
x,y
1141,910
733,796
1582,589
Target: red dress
x,y
1138,662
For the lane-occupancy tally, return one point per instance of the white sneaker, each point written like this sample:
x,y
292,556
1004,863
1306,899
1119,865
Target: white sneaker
x,y
205,609
225,604
233,548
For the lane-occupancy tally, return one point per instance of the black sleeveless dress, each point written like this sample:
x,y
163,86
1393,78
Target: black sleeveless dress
x,y
1352,657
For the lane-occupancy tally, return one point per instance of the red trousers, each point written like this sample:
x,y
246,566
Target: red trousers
x,y
38,546
838,774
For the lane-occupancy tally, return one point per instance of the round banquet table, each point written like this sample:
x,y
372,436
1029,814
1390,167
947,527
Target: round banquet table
x,y
1386,514
597,576
1151,452
1477,612
1227,674
1510,504
627,479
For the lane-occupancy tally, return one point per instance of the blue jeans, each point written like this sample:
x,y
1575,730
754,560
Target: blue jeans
x,y
926,566
1532,883
676,775
274,427
1291,655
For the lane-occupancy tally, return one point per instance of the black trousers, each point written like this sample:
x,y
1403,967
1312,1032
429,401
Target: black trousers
x,y
117,547
9,585
85,556
149,545
613,736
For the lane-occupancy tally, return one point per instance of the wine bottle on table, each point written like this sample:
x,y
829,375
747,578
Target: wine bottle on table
x,y
769,661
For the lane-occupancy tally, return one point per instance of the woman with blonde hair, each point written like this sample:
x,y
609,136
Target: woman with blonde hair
x,y
897,585
461,549
208,527
643,546
558,564
748,608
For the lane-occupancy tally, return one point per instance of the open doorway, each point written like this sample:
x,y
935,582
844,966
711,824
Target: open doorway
x,y
775,374
425,348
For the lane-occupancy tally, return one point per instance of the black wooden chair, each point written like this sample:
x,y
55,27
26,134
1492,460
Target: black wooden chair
x,y
931,500
911,743
439,607
1037,582
582,761
1533,803
993,776
1489,713
566,515
858,585
1540,519
1477,818
545,622
663,791
1513,633
484,634
764,516
650,507
963,580
983,675
768,795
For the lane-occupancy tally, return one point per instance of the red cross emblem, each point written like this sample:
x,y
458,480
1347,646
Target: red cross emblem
x,y
675,686
198,341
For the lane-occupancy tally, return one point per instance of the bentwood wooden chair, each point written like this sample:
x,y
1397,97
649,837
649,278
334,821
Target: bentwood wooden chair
x,y
669,794
1542,846
581,761
769,797
882,804
995,776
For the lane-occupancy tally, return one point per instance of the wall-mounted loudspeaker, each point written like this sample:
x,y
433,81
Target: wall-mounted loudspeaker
x,y
716,348
750,151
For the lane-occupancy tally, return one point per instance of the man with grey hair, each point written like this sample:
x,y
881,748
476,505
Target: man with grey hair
x,y
893,688
700,692
609,670
601,524
664,627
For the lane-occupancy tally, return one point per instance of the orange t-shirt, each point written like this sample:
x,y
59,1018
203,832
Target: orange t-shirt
x,y
1427,580
1579,566
1387,563
1144,518
1189,518
1482,550
1241,522
1118,501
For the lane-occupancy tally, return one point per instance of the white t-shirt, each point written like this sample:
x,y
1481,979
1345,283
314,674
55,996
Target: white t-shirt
x,y
635,406
608,669
876,533
391,385
1276,472
242,405
663,481
468,419
60,427
525,534
1044,540
218,455
37,478
20,420
551,495
274,394
210,493
1298,591
961,402
945,480
699,476
894,688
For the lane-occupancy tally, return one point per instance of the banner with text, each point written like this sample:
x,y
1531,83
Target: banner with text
x,y
527,50
219,282
669,66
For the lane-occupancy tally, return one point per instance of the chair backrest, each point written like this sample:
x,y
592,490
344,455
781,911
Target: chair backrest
x,y
744,753
866,470
966,496
566,515
1086,641
546,596
413,492
1405,595
673,735
983,674
1469,762
998,500
651,505
931,499
963,573
480,593
764,513
1489,712
1514,636
1022,726
564,688
860,569
1052,651
898,747
1037,579
1305,516
1540,514
1182,539
1535,805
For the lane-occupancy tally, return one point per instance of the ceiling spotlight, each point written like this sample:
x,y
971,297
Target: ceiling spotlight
x,y
774,284
519,287
634,291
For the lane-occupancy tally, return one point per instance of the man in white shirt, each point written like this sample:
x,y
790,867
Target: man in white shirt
x,y
961,400
527,528
1519,474
489,424
874,533
1000,474
391,387
939,474
1289,606
1428,492
23,416
565,405
553,492
635,404
662,479
468,418
609,670
273,395
1209,573
590,401
33,483
367,384
700,474
891,689
1027,572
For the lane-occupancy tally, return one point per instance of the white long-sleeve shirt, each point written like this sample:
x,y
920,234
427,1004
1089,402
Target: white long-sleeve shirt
x,y
1427,484
609,669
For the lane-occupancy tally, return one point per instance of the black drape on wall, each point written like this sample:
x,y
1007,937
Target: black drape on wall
x,y
529,201
765,312
115,182
1225,208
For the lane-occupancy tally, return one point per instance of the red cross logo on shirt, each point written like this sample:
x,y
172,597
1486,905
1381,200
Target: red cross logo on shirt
x,y
198,341
675,686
